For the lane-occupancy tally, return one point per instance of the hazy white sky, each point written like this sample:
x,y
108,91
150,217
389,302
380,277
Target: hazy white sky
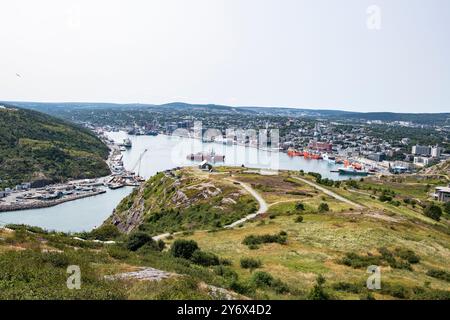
x,y
292,53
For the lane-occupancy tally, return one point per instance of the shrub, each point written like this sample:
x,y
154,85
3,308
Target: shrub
x,y
318,292
137,240
262,279
347,287
299,206
299,219
58,260
250,263
433,211
439,274
205,258
354,260
254,240
447,207
385,198
395,290
407,255
105,232
183,248
323,207
241,288
118,252
226,273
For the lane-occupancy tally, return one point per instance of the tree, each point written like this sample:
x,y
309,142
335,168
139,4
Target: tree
x,y
299,206
183,248
433,211
138,240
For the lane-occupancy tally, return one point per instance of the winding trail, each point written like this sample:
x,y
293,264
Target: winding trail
x,y
263,207
330,193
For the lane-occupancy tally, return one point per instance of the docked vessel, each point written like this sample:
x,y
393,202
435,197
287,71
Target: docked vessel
x,y
200,156
352,171
127,143
294,153
311,155
329,158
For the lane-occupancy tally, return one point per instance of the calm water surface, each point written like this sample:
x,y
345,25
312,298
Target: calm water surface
x,y
163,152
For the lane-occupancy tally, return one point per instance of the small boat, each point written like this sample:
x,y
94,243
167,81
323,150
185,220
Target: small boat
x,y
122,148
127,143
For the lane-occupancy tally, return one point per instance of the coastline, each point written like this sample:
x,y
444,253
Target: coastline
x,y
46,204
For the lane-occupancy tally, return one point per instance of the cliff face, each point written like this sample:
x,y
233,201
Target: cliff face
x,y
182,200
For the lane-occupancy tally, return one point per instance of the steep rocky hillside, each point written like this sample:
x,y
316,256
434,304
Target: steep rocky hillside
x,y
182,200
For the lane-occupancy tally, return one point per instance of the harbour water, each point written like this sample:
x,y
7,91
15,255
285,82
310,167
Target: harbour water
x,y
163,152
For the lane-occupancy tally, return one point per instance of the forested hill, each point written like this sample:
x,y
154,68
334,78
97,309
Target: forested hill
x,y
35,147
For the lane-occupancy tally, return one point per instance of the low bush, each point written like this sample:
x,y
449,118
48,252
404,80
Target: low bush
x,y
183,248
347,287
105,233
263,279
118,252
318,292
137,240
205,259
250,263
252,240
439,274
433,211
323,207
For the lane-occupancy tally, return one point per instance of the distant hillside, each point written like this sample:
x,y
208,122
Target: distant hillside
x,y
64,110
39,148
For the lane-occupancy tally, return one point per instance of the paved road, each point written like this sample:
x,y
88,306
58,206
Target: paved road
x,y
330,193
263,207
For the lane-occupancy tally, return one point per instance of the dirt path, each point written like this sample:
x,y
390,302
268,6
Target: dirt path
x,y
330,193
263,207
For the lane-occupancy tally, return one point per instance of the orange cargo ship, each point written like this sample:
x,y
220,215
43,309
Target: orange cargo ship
x,y
309,155
294,153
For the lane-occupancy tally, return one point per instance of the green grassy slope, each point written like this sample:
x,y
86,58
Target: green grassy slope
x,y
38,147
182,200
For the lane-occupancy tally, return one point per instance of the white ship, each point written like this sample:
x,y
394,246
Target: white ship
x,y
329,158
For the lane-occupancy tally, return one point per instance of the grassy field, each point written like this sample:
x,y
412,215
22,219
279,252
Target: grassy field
x,y
319,243
304,237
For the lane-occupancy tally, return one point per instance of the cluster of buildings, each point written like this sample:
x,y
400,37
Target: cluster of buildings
x,y
425,155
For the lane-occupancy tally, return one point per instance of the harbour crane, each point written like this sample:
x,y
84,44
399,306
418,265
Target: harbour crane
x,y
138,162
